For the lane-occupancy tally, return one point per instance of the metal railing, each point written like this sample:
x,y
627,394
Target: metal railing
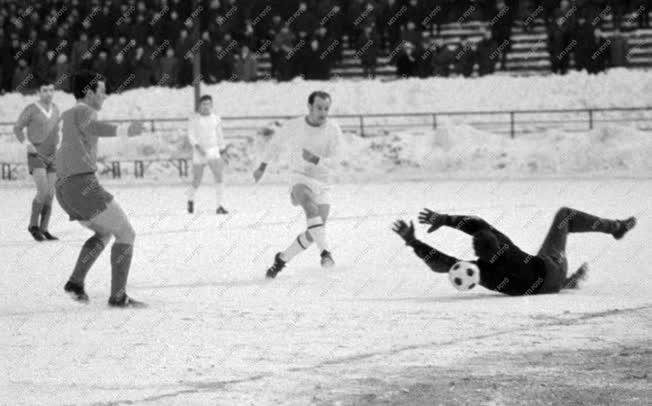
x,y
511,123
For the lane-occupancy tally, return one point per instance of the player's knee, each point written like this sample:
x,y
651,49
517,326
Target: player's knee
x,y
126,234
104,237
41,195
309,236
563,214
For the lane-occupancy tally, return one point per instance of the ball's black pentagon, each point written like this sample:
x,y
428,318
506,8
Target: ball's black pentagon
x,y
469,271
458,281
471,286
456,267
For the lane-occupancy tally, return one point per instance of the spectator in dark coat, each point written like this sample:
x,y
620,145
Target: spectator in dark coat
x,y
101,63
501,29
549,7
406,62
367,49
388,22
315,66
601,53
246,66
23,80
142,69
119,74
423,53
305,22
169,69
61,73
643,8
183,52
219,65
410,34
585,40
283,44
618,50
465,56
40,63
443,57
487,52
356,15
559,46
79,48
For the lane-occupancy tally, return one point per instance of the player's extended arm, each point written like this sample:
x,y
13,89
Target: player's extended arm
x,y
271,153
21,123
465,223
89,126
436,260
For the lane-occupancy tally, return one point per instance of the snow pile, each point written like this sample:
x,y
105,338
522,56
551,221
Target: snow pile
x,y
464,150
616,88
454,148
451,150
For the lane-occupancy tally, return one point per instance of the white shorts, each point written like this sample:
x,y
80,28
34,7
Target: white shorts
x,y
321,190
212,154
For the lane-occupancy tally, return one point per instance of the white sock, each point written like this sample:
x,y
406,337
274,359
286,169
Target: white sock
x,y
191,193
317,230
299,244
219,191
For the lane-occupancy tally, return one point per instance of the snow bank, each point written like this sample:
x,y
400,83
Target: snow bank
x,y
616,88
453,149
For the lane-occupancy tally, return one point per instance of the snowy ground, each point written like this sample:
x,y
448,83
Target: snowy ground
x,y
376,329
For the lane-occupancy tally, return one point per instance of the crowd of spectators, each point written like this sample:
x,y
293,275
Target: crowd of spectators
x,y
137,43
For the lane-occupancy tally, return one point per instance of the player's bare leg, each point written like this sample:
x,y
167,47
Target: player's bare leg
x,y
217,168
46,211
41,182
197,175
111,222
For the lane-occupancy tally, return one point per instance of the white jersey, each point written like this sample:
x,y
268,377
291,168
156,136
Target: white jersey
x,y
206,131
295,135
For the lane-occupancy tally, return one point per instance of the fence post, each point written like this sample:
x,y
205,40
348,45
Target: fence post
x,y
139,169
590,119
6,171
361,125
183,168
511,124
434,121
115,169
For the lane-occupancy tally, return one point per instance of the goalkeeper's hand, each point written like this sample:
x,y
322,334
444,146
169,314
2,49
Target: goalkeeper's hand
x,y
405,231
436,220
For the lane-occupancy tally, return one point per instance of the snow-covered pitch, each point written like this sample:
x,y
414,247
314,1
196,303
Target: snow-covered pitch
x,y
376,328
379,328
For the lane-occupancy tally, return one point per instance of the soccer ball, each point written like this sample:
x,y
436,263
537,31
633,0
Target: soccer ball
x,y
464,275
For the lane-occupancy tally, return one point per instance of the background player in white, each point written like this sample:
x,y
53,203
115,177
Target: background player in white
x,y
312,142
41,119
207,140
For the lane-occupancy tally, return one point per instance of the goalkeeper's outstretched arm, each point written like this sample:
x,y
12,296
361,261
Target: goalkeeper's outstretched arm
x,y
436,260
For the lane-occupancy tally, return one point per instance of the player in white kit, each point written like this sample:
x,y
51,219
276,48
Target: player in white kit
x,y
207,140
312,143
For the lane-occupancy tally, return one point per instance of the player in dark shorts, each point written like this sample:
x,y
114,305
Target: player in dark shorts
x,y
504,267
41,120
81,196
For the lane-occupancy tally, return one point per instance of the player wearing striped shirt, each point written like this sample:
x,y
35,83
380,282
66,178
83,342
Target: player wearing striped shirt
x,y
312,145
207,140
40,120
